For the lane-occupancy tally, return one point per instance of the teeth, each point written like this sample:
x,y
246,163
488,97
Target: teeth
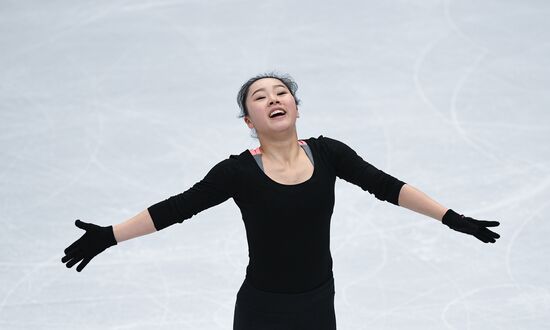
x,y
275,112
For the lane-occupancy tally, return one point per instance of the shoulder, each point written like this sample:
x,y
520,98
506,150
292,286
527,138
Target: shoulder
x,y
334,149
328,144
232,162
323,139
228,167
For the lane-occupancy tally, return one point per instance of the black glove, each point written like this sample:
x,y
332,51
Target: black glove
x,y
93,242
471,226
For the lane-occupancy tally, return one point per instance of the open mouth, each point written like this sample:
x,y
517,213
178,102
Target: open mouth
x,y
277,114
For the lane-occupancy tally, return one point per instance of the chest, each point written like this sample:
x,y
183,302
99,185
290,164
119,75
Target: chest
x,y
300,172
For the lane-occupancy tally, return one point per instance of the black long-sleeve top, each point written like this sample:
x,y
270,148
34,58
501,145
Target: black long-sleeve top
x,y
287,226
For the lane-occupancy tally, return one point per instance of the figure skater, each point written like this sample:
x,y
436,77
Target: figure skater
x,y
285,192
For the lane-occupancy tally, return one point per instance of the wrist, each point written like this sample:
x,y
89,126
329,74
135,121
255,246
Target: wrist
x,y
450,217
110,235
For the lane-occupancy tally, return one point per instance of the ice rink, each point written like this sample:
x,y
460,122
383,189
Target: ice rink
x,y
108,107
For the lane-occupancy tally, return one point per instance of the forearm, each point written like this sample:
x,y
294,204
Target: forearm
x,y
139,225
415,200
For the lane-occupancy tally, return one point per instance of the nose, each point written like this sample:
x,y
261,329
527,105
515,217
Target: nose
x,y
273,99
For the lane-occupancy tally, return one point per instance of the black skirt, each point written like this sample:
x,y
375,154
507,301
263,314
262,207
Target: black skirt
x,y
260,310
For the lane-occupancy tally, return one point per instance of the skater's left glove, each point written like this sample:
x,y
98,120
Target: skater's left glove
x,y
467,225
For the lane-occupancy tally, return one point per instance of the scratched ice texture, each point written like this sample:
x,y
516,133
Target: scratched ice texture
x,y
107,107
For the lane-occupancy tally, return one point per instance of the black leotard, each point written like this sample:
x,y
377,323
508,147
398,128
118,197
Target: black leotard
x,y
287,226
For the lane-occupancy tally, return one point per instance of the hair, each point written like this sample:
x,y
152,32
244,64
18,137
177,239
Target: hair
x,y
286,79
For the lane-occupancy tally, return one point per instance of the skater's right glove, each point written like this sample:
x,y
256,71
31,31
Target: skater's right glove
x,y
467,225
93,242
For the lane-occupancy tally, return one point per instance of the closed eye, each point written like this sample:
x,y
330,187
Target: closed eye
x,y
263,97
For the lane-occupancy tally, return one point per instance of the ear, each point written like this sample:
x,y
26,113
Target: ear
x,y
248,122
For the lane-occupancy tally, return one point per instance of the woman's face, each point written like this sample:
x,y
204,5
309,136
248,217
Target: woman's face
x,y
263,96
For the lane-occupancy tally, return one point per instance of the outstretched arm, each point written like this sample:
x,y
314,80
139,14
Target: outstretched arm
x,y
348,165
416,200
97,239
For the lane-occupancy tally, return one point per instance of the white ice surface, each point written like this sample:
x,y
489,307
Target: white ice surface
x,y
107,107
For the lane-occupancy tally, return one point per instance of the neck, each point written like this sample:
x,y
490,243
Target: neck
x,y
283,152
